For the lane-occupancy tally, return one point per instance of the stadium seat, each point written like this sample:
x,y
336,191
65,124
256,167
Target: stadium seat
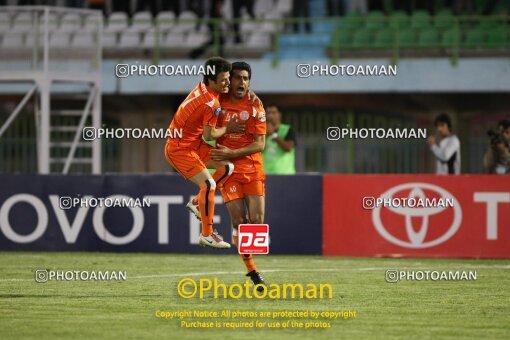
x,y
375,20
109,39
449,37
353,21
247,25
362,39
342,38
497,38
5,21
142,21
12,39
444,20
84,38
195,39
70,22
117,22
283,7
91,23
407,38
130,39
166,21
262,7
399,19
53,22
60,39
384,39
475,38
185,22
259,40
428,38
22,23
420,19
132,36
489,22
173,40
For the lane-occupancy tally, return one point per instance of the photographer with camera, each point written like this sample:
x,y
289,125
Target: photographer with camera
x,y
497,158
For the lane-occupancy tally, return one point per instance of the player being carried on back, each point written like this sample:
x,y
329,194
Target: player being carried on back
x,y
244,191
196,116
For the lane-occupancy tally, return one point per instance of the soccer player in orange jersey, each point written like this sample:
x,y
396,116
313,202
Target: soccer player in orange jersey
x,y
243,192
196,116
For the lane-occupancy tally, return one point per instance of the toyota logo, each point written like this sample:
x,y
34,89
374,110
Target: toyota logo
x,y
416,239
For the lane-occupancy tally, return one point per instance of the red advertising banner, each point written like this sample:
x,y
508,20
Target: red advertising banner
x,y
417,215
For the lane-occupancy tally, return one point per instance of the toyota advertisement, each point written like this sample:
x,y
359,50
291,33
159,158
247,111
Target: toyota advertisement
x,y
416,216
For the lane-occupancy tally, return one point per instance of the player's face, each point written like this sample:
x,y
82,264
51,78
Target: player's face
x,y
240,83
222,83
442,129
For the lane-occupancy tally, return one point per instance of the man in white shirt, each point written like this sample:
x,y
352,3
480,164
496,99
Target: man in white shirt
x,y
448,151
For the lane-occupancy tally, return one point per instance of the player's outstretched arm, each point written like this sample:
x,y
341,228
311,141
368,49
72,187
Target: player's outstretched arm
x,y
223,153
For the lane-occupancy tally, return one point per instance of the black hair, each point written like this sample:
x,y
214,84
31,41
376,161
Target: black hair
x,y
218,65
443,118
242,66
504,124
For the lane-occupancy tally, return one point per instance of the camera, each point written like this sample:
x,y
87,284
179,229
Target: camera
x,y
495,138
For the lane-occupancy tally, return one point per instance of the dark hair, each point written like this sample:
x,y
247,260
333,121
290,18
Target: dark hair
x,y
242,66
443,118
219,65
504,124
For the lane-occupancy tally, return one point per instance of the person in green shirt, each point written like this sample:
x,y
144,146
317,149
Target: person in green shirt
x,y
279,155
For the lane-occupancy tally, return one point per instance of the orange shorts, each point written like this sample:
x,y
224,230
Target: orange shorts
x,y
185,160
203,151
240,185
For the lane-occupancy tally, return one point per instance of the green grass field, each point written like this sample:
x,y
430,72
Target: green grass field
x,y
408,309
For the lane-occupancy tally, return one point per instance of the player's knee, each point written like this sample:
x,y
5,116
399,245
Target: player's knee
x,y
210,184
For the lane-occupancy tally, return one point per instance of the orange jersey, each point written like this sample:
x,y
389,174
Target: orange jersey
x,y
255,118
201,107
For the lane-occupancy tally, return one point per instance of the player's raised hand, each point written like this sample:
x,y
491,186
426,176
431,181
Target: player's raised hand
x,y
233,126
221,153
253,98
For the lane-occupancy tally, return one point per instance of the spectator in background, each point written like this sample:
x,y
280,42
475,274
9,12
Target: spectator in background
x,y
237,5
357,6
497,158
215,11
98,4
121,6
279,154
447,153
336,8
301,9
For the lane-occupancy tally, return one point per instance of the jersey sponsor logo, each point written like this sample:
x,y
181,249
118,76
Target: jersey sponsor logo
x,y
244,115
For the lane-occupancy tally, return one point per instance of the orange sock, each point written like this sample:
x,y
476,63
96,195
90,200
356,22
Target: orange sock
x,y
206,205
220,176
247,258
